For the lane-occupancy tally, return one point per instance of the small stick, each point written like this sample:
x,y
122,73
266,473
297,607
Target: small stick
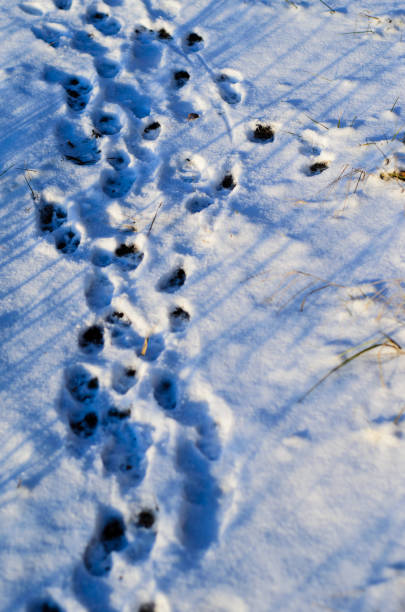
x,y
317,122
154,219
395,103
327,6
145,346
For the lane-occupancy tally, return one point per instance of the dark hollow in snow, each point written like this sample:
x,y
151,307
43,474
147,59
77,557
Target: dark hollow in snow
x,y
49,605
264,133
164,34
125,249
165,393
228,182
113,534
108,124
67,240
92,338
318,167
51,216
107,68
117,317
129,256
64,5
153,126
181,77
194,38
146,519
118,415
85,426
173,281
178,319
147,607
81,384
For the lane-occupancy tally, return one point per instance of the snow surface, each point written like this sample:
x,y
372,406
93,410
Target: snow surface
x,y
196,232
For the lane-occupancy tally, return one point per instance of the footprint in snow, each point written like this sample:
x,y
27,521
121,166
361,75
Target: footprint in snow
x,y
76,146
118,184
106,67
199,521
124,453
51,216
193,42
198,202
49,34
152,131
85,42
179,319
107,25
107,123
317,168
173,281
99,291
129,98
67,240
110,537
64,5
44,605
91,339
147,50
229,87
81,384
78,90
181,78
143,529
123,378
262,132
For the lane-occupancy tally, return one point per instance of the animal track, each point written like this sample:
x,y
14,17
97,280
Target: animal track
x,y
198,202
84,423
76,146
109,26
67,240
49,34
110,537
125,453
99,291
201,498
152,131
45,605
123,378
229,87
119,159
107,68
84,41
81,384
146,50
128,97
118,184
228,182
92,339
318,168
263,133
172,281
179,319
64,5
194,42
51,216
165,392
78,91
181,77
129,256
143,527
107,123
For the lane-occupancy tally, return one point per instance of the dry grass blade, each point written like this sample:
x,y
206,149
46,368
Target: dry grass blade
x,y
145,346
154,219
389,343
327,6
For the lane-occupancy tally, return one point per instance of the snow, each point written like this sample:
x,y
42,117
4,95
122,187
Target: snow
x,y
202,306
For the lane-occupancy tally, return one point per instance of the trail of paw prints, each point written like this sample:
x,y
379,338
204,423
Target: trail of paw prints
x,y
53,221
